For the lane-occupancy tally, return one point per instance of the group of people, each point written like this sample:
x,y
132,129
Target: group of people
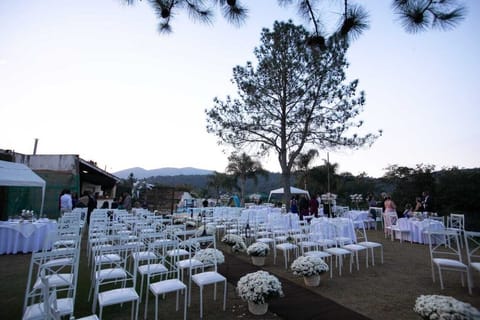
x,y
304,207
422,204
67,202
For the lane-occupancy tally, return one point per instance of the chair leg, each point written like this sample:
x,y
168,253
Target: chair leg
x,y
184,304
201,302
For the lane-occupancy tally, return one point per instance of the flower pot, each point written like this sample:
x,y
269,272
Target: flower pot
x,y
258,261
257,308
312,281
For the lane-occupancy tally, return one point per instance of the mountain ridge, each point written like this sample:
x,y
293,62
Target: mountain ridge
x,y
141,173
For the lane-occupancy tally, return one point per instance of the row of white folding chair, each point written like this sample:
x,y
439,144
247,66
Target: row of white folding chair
x,y
60,270
171,258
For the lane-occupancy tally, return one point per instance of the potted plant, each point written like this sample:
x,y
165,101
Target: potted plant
x,y
235,242
310,268
443,307
257,288
210,256
258,251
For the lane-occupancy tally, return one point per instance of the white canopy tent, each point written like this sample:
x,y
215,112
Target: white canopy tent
x,y
19,175
293,190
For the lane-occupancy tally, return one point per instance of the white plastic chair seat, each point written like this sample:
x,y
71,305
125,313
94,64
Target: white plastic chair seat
x,y
177,252
167,286
356,248
36,311
264,240
475,265
152,268
449,263
339,253
105,258
371,245
117,296
189,263
144,255
55,280
207,277
286,246
111,273
92,317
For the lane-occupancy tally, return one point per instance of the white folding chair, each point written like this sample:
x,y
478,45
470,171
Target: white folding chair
x,y
445,254
370,245
107,292
456,222
171,283
205,278
472,244
51,271
336,251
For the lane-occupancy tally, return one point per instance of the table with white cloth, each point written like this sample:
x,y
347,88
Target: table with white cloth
x,y
357,216
348,231
417,228
25,236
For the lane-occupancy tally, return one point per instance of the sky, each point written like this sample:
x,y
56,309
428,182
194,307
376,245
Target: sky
x,y
96,78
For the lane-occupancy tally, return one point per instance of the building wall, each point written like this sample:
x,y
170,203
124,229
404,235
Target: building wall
x,y
59,172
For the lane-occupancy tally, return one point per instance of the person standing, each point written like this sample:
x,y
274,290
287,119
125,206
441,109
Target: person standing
x,y
303,207
127,201
293,205
66,201
313,207
427,202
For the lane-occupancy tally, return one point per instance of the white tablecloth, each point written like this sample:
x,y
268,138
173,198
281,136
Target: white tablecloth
x,y
348,230
418,227
24,236
357,216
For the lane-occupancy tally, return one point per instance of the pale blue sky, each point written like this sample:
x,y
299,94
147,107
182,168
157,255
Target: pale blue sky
x,y
95,78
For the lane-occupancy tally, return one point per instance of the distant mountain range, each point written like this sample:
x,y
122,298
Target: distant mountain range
x,y
140,173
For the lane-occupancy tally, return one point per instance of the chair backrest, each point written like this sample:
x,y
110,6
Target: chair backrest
x,y
472,244
444,244
360,232
323,230
390,218
456,221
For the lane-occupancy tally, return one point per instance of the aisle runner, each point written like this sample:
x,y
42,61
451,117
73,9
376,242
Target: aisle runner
x,y
299,303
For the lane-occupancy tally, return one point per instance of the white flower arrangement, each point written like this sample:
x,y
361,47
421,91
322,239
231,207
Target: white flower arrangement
x,y
444,308
209,256
210,230
308,266
258,287
235,241
191,245
258,249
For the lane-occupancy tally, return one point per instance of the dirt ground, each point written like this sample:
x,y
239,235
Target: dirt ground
x,y
385,291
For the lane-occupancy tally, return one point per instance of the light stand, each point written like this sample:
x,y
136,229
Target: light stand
x,y
248,230
204,218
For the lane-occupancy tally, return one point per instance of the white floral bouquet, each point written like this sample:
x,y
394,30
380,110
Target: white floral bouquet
x,y
444,308
211,229
191,245
235,241
210,256
258,287
258,249
308,266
